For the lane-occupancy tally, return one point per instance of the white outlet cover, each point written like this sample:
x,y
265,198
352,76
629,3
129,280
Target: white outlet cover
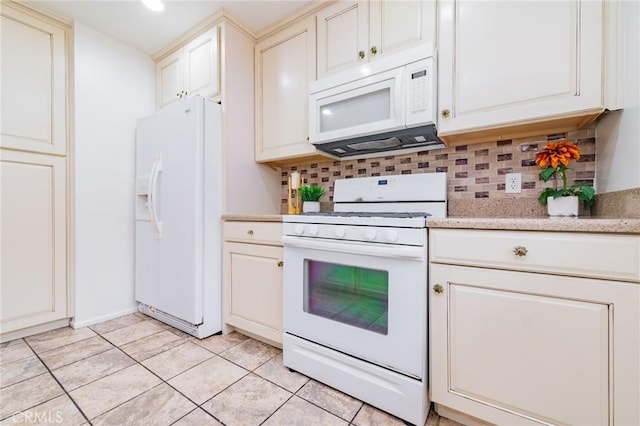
x,y
513,183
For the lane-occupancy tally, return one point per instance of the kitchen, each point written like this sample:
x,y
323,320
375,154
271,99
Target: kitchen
x,y
114,85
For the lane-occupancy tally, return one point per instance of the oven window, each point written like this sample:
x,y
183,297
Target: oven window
x,y
347,294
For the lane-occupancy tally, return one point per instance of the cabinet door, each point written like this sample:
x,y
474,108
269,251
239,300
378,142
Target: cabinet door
x,y
343,36
201,76
285,65
525,348
33,234
253,289
34,83
396,25
169,79
508,62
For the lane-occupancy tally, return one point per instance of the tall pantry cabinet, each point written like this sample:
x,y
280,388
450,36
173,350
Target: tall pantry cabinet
x,y
34,160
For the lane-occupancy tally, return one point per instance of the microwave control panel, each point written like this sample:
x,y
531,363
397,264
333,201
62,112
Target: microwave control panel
x,y
417,91
419,102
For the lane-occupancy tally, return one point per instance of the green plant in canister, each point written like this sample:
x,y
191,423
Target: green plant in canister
x,y
311,192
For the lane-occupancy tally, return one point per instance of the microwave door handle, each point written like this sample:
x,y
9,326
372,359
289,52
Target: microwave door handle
x,y
379,250
401,95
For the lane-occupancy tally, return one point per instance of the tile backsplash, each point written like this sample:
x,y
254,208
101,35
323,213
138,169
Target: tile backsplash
x,y
473,171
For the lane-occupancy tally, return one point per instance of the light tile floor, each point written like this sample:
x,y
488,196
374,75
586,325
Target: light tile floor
x,y
134,370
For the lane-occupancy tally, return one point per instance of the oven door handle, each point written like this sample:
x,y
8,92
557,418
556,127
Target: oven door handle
x,y
380,250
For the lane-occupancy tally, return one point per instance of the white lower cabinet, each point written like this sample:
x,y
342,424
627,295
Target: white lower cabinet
x,y
34,241
252,279
511,347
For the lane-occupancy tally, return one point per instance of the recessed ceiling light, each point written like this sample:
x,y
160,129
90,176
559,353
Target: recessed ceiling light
x,y
155,5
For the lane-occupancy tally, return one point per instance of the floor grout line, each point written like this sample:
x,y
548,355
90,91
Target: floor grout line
x,y
59,384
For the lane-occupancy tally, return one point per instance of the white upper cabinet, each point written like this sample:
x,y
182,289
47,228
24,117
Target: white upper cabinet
x,y
352,32
170,79
505,63
191,70
285,65
34,83
343,36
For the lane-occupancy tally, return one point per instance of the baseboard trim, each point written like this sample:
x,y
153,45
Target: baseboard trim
x,y
36,329
92,321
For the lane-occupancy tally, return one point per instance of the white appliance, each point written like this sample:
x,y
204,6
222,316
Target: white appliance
x,y
387,105
355,291
178,209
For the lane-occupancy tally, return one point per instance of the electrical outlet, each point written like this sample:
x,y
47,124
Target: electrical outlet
x,y
513,183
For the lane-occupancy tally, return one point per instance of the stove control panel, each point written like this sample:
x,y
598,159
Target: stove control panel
x,y
366,234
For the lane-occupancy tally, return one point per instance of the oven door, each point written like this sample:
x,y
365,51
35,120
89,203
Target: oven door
x,y
366,300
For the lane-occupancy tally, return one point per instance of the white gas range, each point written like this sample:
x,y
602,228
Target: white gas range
x,y
355,290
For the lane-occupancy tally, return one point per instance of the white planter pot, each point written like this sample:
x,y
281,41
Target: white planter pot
x,y
311,207
563,206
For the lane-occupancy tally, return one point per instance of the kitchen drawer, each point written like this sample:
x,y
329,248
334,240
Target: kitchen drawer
x,y
253,232
575,254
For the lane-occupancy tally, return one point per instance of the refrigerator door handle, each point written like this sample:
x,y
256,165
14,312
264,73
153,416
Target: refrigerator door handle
x,y
156,226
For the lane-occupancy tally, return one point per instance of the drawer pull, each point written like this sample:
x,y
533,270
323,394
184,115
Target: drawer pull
x,y
280,264
520,251
438,289
250,232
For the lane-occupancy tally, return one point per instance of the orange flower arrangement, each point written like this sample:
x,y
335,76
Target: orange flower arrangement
x,y
555,158
556,153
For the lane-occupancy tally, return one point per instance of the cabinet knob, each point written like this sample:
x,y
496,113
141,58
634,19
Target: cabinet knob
x,y
438,289
520,251
250,232
374,50
361,54
280,264
446,113
179,95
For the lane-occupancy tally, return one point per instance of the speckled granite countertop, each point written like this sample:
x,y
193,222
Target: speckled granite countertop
x,y
587,224
252,217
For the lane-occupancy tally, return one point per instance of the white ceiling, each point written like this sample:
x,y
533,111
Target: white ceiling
x,y
132,23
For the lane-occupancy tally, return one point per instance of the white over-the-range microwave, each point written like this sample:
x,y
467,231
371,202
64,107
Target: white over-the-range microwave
x,y
385,106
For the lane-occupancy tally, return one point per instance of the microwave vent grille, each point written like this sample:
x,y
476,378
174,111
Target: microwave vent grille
x,y
376,144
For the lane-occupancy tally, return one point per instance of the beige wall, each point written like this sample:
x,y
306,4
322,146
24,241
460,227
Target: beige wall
x,y
618,132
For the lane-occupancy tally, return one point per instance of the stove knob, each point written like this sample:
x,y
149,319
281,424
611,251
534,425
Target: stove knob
x,y
370,234
313,230
298,230
340,232
391,235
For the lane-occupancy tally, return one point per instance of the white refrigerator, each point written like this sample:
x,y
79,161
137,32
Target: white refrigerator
x,y
178,216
